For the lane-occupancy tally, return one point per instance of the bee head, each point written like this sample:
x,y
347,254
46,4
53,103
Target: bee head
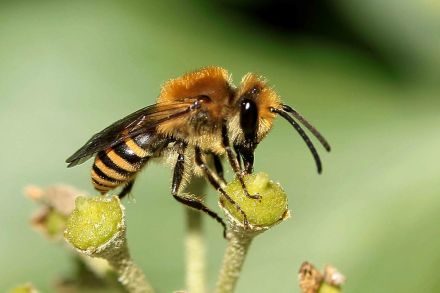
x,y
256,107
253,117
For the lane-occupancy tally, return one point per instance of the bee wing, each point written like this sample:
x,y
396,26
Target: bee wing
x,y
131,125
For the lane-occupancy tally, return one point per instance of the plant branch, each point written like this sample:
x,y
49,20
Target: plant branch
x,y
195,246
233,260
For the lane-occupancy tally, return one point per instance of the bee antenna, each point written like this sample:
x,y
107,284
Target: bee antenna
x,y
309,126
303,135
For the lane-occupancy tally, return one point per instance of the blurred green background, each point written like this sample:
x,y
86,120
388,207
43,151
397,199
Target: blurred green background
x,y
367,74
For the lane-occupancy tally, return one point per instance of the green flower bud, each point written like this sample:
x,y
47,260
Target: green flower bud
x,y
94,222
263,212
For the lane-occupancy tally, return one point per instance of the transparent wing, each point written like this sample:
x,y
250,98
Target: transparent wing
x,y
142,120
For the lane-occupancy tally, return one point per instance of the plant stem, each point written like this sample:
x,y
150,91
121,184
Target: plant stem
x,y
233,260
130,275
195,254
195,247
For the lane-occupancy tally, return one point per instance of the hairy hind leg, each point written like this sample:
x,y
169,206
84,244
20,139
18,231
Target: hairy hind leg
x,y
218,167
126,189
129,184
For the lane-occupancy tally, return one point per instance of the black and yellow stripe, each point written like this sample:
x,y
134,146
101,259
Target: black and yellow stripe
x,y
118,165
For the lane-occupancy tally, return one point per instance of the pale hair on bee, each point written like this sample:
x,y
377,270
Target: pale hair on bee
x,y
199,117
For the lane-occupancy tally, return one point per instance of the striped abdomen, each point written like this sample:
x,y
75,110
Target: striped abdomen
x,y
119,164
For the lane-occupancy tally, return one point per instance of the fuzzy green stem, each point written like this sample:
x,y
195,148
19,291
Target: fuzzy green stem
x,y
195,254
130,275
235,255
195,247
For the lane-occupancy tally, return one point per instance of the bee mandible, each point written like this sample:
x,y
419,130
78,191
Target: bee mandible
x,y
198,117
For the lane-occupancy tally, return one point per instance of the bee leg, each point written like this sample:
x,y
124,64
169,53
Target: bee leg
x,y
218,168
186,199
127,189
216,184
233,160
237,152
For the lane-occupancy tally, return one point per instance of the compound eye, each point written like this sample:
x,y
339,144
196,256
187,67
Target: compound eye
x,y
249,119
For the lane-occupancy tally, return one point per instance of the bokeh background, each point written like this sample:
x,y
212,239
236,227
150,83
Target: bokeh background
x,y
367,74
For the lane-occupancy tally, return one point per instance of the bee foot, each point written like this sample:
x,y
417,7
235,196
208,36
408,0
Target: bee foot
x,y
253,196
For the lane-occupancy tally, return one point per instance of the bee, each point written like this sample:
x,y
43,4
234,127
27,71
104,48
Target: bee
x,y
198,118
